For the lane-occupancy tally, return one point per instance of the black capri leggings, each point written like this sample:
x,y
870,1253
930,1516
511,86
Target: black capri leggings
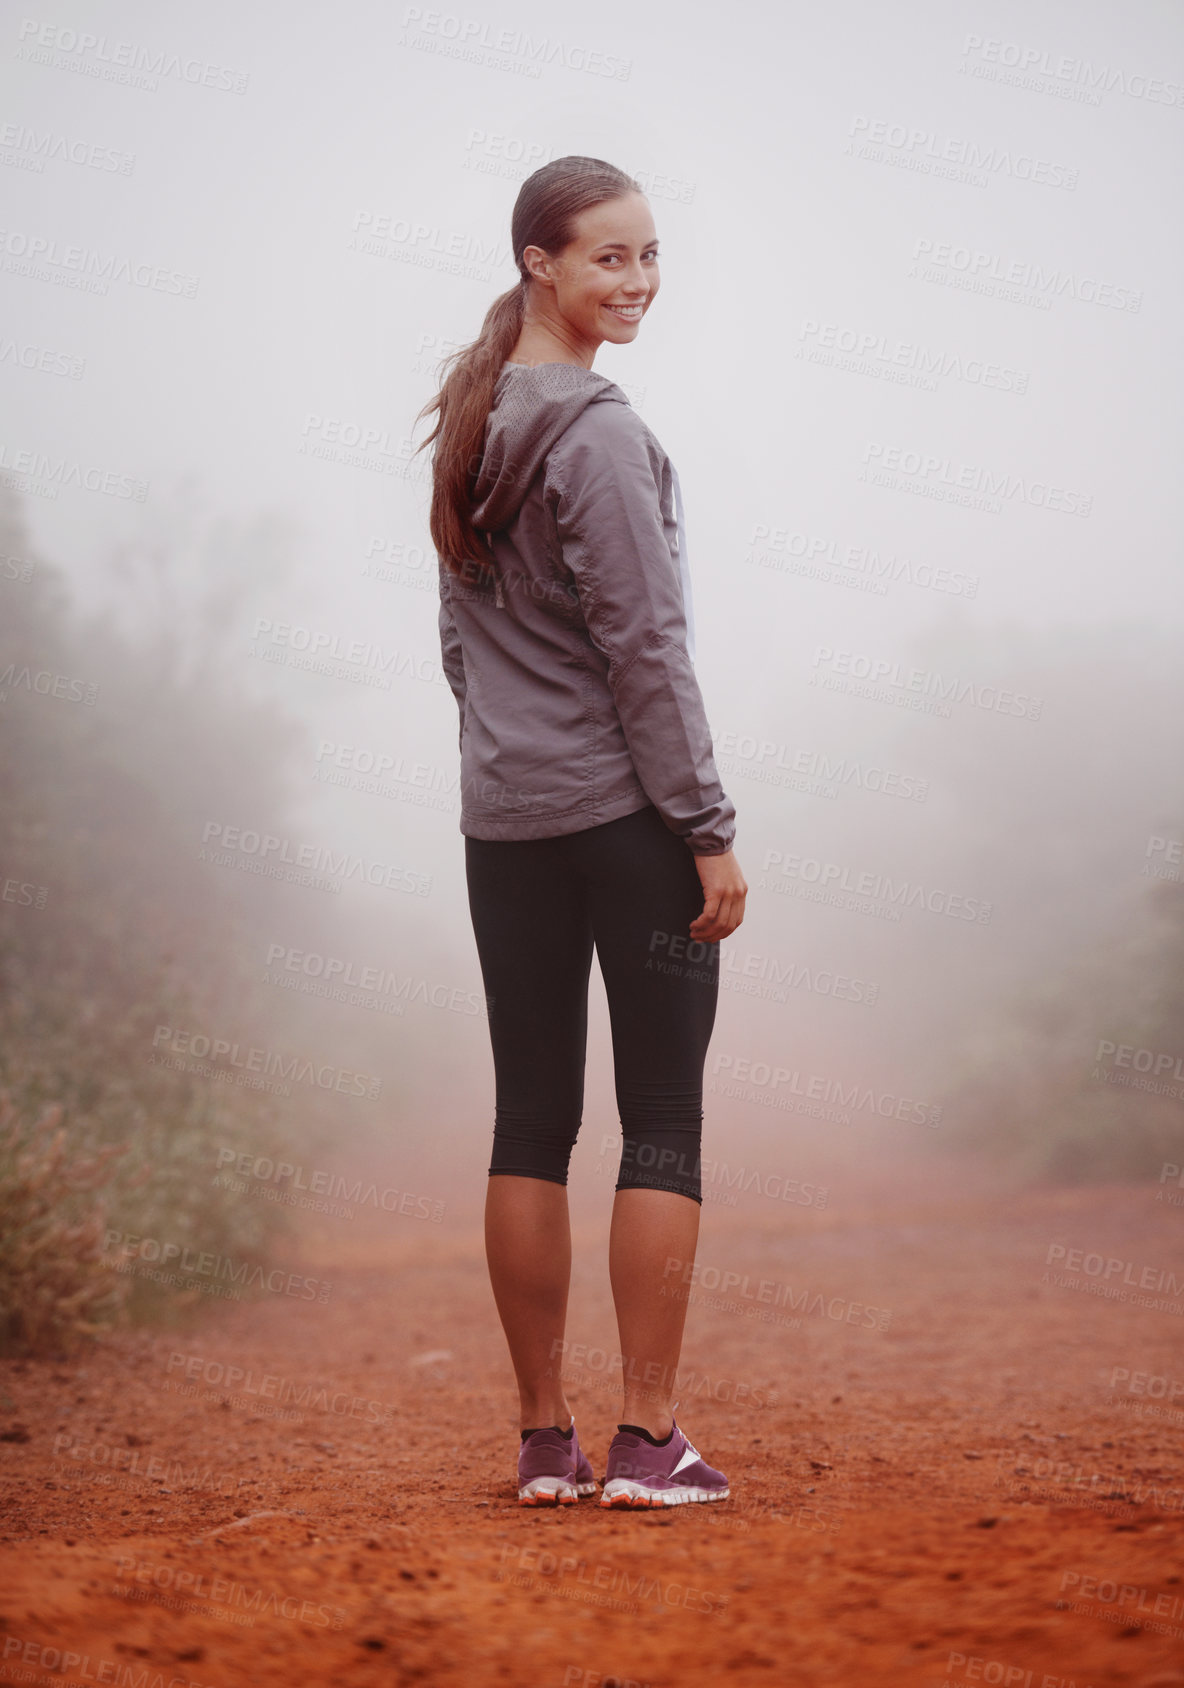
x,y
630,888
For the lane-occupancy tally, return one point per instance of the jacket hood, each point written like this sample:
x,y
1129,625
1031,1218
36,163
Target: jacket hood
x,y
532,406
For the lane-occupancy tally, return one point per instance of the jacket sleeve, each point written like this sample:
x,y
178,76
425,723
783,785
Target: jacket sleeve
x,y
452,660
612,535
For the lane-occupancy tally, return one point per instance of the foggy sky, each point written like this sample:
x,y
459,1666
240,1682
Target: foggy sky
x,y
881,252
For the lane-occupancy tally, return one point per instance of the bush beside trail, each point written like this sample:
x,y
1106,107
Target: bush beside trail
x,y
109,927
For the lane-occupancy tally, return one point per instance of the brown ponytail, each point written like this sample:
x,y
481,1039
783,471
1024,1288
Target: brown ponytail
x,y
544,215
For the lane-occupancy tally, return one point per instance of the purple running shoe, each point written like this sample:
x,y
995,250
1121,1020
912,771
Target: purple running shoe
x,y
553,1471
640,1474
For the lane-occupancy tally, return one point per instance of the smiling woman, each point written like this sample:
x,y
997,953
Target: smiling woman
x,y
592,810
584,242
610,270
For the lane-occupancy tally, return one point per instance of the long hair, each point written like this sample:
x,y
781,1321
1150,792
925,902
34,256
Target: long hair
x,y
544,215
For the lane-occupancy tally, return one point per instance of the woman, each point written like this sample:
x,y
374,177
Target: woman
x,y
591,807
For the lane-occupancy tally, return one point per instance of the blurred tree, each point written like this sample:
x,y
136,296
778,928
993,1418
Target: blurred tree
x,y
115,744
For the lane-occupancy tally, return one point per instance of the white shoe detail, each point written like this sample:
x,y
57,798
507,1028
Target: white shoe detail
x,y
560,1491
688,1458
622,1492
550,1490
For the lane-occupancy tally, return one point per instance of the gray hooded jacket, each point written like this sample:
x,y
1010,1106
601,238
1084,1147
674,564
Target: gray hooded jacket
x,y
577,695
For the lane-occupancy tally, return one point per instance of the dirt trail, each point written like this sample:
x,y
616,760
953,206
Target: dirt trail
x,y
951,1468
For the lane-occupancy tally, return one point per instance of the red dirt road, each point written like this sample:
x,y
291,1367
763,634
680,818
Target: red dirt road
x,y
952,1468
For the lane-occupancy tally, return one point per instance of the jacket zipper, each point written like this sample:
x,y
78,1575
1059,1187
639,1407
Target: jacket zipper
x,y
501,602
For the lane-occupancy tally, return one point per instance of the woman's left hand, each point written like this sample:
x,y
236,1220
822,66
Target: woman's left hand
x,y
724,891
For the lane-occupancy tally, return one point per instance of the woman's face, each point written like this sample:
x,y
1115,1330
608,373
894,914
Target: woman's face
x,y
606,278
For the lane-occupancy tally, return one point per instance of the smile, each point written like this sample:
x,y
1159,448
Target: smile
x,y
630,313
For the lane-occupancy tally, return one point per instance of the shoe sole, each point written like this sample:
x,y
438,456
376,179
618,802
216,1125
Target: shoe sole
x,y
553,1491
624,1494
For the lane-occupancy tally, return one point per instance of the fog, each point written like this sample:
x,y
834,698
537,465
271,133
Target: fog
x,y
915,357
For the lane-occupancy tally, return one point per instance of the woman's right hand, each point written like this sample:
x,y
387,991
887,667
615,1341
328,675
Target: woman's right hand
x,y
724,891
